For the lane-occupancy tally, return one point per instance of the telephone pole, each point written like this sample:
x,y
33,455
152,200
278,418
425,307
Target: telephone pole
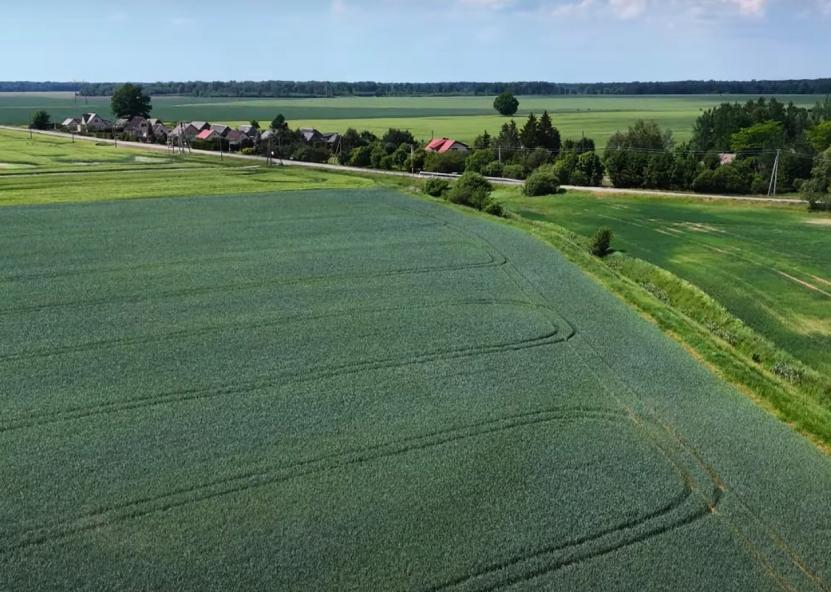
x,y
774,176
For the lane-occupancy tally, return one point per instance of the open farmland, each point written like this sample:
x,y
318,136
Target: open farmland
x,y
770,266
360,390
462,118
49,169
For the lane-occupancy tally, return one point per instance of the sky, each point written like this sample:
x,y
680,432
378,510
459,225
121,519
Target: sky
x,y
415,40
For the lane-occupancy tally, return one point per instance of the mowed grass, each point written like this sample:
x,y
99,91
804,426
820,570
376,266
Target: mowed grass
x,y
49,169
459,117
360,390
769,266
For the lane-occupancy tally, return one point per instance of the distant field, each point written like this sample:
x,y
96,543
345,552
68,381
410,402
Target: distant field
x,y
770,266
360,390
459,117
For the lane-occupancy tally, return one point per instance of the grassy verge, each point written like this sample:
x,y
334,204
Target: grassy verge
x,y
795,393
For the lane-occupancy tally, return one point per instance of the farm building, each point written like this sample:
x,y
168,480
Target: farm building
x,y
185,130
71,124
250,131
92,122
442,145
207,135
313,136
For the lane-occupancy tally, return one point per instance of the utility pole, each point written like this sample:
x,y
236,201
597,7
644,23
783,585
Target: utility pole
x,y
499,150
774,176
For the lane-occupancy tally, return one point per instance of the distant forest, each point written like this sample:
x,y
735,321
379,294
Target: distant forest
x,y
277,88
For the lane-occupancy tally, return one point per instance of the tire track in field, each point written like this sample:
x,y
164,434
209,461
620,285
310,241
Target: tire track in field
x,y
279,379
134,509
240,255
231,326
719,487
492,262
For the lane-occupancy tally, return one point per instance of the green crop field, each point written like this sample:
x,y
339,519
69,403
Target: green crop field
x,y
351,388
48,169
770,266
459,117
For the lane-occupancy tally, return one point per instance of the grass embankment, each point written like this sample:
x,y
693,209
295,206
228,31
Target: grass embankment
x,y
462,118
797,393
48,169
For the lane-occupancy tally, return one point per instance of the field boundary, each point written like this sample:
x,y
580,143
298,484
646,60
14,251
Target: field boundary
x,y
422,175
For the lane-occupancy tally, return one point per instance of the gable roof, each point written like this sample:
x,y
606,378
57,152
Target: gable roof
x,y
442,145
206,134
200,125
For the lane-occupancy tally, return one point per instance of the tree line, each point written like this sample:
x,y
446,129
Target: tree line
x,y
283,88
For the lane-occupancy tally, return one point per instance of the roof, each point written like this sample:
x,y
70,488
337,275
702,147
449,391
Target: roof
x,y
70,121
220,129
205,134
442,145
200,125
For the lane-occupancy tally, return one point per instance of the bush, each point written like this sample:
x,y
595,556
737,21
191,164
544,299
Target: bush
x,y
589,170
311,154
494,208
360,156
493,169
478,160
436,187
449,162
541,182
248,151
601,242
537,158
472,190
513,171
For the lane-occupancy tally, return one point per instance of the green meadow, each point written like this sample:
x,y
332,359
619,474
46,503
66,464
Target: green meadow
x,y
769,266
462,118
284,379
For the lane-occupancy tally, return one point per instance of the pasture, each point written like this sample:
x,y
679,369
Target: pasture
x,y
462,118
769,266
357,389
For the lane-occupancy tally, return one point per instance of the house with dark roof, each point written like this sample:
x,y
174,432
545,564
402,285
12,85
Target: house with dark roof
x,y
443,145
185,130
92,122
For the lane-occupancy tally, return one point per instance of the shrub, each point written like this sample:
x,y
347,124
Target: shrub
x,y
541,182
494,208
478,160
449,162
472,190
311,154
601,242
493,169
589,169
360,156
513,171
537,158
248,151
436,187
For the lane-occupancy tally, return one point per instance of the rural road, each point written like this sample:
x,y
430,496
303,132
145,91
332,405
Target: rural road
x,y
497,181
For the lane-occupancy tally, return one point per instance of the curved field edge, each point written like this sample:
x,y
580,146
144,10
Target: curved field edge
x,y
720,341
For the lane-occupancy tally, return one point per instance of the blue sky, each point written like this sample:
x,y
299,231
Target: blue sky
x,y
409,40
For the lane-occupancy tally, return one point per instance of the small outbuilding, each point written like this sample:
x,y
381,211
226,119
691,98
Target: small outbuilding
x,y
442,145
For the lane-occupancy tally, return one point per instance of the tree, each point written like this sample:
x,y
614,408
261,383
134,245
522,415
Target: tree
x,y
278,123
255,124
601,242
817,189
508,138
590,165
820,136
767,135
548,136
41,121
528,135
482,142
129,100
506,103
396,137
629,154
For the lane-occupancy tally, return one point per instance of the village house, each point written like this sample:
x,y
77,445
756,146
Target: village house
x,y
92,122
71,124
185,130
208,135
443,145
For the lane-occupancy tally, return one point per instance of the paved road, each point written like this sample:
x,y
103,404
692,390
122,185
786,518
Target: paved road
x,y
497,181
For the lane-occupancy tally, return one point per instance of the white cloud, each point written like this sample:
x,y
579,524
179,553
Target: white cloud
x,y
628,9
750,7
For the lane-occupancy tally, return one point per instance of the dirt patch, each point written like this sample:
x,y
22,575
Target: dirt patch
x,y
150,159
819,221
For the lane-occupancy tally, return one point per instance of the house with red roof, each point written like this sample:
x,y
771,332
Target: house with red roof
x,y
208,134
443,145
